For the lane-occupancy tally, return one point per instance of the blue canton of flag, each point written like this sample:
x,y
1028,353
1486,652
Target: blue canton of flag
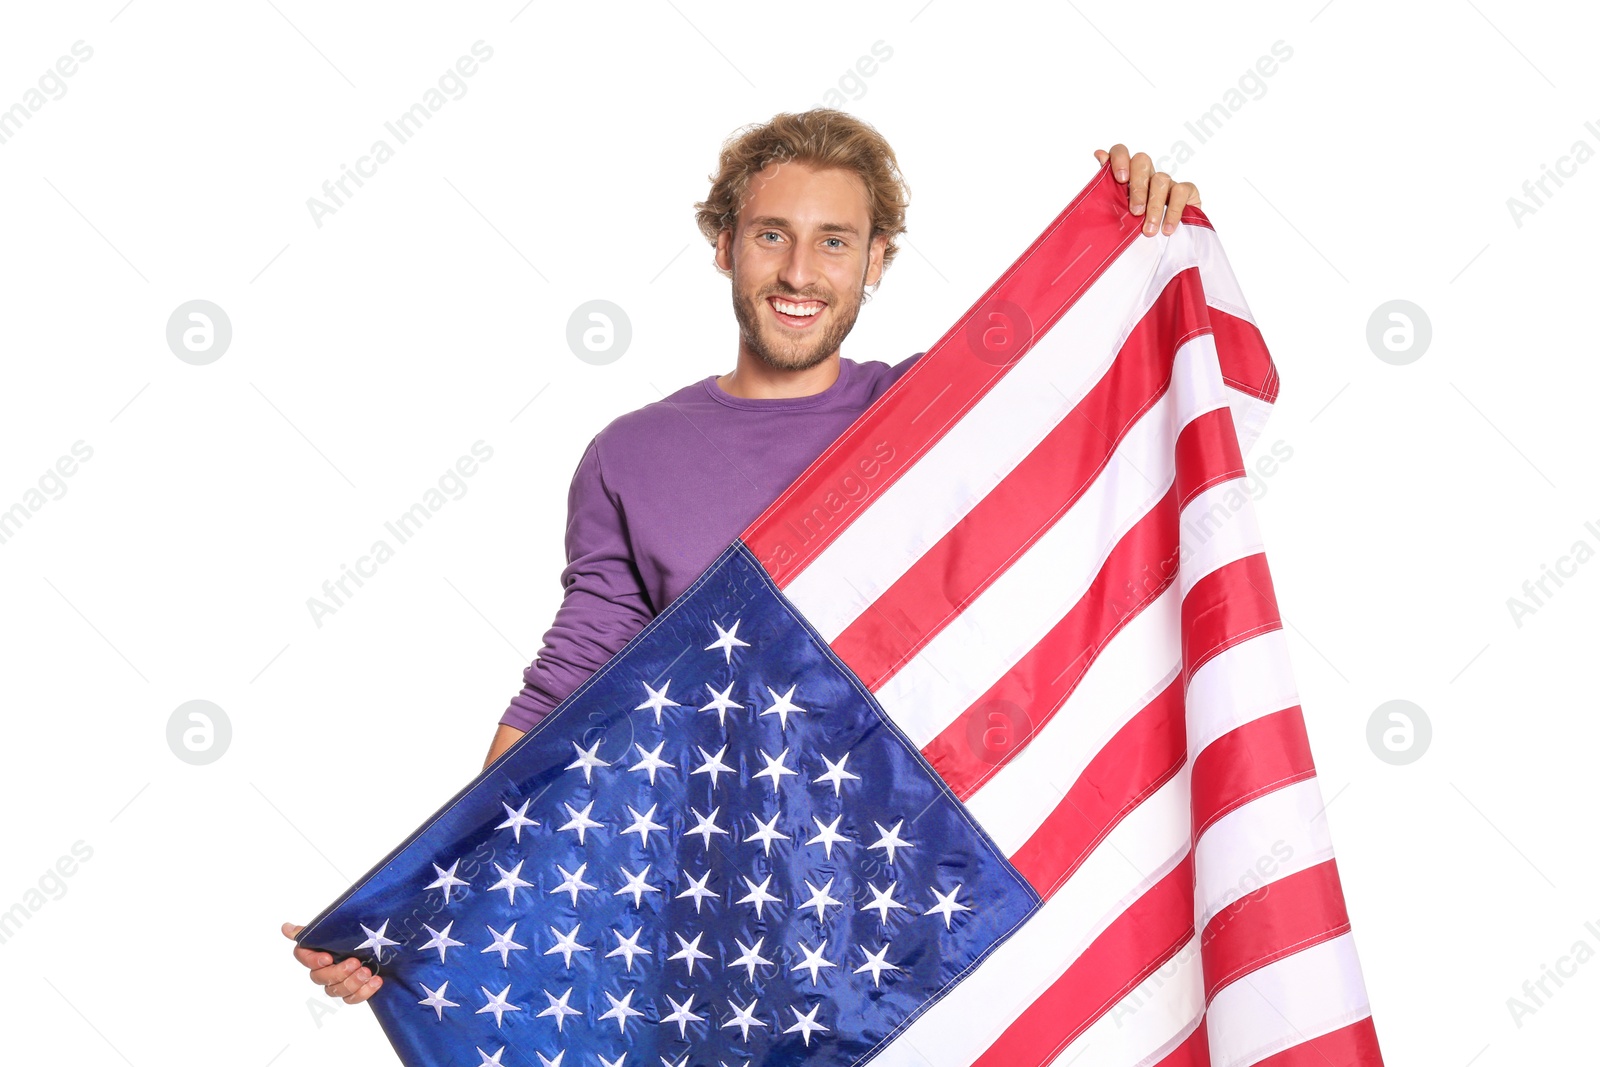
x,y
718,850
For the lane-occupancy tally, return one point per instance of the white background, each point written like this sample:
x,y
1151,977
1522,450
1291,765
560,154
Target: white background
x,y
430,311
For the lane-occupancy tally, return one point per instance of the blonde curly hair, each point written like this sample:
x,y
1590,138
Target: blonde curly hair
x,y
821,137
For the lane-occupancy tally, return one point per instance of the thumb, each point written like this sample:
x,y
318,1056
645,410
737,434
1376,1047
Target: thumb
x,y
1101,155
291,931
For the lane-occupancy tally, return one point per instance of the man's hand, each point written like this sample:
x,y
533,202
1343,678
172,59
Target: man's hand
x,y
1149,190
348,979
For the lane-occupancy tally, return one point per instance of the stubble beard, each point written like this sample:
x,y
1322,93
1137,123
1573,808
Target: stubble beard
x,y
786,353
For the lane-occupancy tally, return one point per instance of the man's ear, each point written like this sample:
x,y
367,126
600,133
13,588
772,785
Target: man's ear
x,y
724,255
875,258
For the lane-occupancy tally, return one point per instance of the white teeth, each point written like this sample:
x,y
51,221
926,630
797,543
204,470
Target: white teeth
x,y
797,310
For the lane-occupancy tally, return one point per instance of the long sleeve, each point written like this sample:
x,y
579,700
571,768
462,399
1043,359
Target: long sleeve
x,y
604,603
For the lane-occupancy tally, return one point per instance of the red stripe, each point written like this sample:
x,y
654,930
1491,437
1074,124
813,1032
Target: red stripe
x,y
1077,247
1138,570
1230,605
1136,943
1031,497
1207,454
1242,354
1143,755
1249,761
1038,684
1281,918
1195,1051
1355,1045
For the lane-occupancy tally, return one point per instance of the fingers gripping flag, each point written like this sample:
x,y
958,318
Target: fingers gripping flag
x,y
979,746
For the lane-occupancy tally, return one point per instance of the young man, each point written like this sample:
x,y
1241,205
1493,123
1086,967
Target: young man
x,y
803,212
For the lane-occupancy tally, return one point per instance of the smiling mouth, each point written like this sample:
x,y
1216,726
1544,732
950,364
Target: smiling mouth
x,y
795,314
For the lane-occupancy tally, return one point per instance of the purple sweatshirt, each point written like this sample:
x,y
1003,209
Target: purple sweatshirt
x,y
658,494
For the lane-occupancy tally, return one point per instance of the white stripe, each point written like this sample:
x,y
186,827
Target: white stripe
x,y
1216,274
1250,414
1239,685
1011,616
1154,838
1217,527
1148,1023
1271,837
1136,666
985,445
1286,1003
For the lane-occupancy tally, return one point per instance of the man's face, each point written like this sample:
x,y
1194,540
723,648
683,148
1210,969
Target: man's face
x,y
802,244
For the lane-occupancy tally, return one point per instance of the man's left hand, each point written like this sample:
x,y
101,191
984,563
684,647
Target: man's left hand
x,y
1151,193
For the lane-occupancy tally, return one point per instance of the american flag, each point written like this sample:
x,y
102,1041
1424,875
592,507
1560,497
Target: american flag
x,y
979,746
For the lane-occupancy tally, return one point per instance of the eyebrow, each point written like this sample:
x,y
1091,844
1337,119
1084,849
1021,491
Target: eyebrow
x,y
782,223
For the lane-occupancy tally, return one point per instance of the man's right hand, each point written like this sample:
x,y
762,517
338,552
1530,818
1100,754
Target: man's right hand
x,y
347,979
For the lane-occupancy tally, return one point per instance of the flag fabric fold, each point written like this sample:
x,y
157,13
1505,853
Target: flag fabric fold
x,y
979,746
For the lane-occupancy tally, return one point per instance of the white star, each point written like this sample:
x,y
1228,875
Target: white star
x,y
766,833
491,1061
652,761
751,959
883,900
446,879
681,1063
713,765
656,701
587,760
543,1062
744,1019
376,940
574,882
947,905
876,964
621,1010
580,820
681,1014
636,884
628,947
813,961
642,825
827,836
605,1062
758,894
889,840
441,940
436,999
774,769
689,951
503,944
515,821
836,774
567,944
806,1023
559,1008
819,899
511,881
697,889
705,827
727,641
782,706
721,703
497,1004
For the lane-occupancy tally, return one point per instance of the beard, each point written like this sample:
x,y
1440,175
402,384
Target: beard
x,y
781,351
